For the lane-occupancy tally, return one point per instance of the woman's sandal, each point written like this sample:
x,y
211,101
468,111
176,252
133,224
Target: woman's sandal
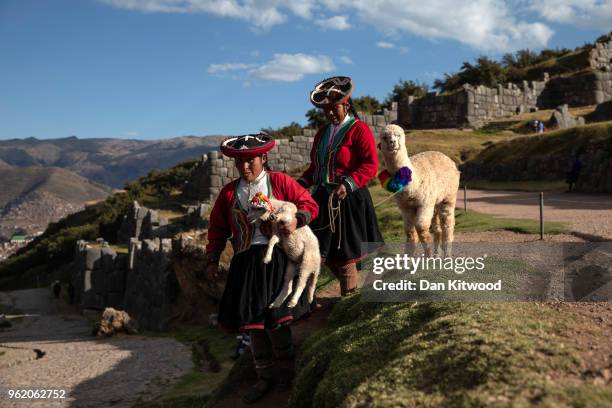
x,y
258,390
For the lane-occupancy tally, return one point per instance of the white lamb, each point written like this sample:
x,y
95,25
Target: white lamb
x,y
428,201
301,247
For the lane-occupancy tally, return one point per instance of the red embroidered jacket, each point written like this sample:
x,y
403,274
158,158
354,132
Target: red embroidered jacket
x,y
353,161
229,220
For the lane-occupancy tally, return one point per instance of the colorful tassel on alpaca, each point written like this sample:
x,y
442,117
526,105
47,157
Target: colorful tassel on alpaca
x,y
396,183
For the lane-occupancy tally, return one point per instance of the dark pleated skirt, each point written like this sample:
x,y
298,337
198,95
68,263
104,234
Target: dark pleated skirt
x,y
359,225
251,286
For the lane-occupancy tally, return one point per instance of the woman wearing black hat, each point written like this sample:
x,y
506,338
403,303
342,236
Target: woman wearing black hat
x,y
252,285
343,161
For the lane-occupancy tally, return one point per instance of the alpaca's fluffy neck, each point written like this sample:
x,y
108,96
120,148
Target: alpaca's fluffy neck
x,y
399,159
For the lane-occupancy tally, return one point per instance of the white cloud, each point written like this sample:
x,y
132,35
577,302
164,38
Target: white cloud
x,y
282,67
302,8
346,60
488,25
587,13
261,14
292,67
216,68
384,44
335,23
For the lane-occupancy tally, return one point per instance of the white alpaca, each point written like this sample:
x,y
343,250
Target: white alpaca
x,y
301,247
428,201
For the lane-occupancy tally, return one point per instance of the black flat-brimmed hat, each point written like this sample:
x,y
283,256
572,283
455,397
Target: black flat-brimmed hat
x,y
336,89
247,146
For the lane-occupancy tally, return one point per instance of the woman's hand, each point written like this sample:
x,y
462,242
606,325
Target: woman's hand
x,y
340,192
212,272
287,229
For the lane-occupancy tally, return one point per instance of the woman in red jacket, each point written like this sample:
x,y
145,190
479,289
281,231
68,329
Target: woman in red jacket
x,y
252,285
343,161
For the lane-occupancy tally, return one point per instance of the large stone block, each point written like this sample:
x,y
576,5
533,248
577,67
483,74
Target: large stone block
x,y
98,280
107,259
215,181
115,281
92,258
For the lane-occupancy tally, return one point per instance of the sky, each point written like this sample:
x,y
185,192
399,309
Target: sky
x,y
153,69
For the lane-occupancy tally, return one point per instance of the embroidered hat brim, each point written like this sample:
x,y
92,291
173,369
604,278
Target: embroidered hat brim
x,y
332,90
247,146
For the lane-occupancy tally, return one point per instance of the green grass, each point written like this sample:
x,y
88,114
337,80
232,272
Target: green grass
x,y
529,186
120,248
442,354
473,221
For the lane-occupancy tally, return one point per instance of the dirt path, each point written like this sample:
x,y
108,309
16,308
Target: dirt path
x,y
588,215
93,372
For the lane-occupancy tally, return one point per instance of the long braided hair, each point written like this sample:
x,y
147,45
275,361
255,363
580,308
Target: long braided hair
x,y
352,109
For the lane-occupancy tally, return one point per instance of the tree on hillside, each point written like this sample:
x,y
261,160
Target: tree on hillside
x,y
449,83
403,89
604,38
520,59
367,104
549,53
485,72
316,118
293,129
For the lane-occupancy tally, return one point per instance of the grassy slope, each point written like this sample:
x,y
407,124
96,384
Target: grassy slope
x,y
561,143
457,144
443,354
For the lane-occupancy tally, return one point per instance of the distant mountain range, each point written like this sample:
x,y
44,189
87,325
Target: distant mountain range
x,y
112,162
44,180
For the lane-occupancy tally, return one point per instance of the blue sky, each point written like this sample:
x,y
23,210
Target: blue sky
x,y
151,69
